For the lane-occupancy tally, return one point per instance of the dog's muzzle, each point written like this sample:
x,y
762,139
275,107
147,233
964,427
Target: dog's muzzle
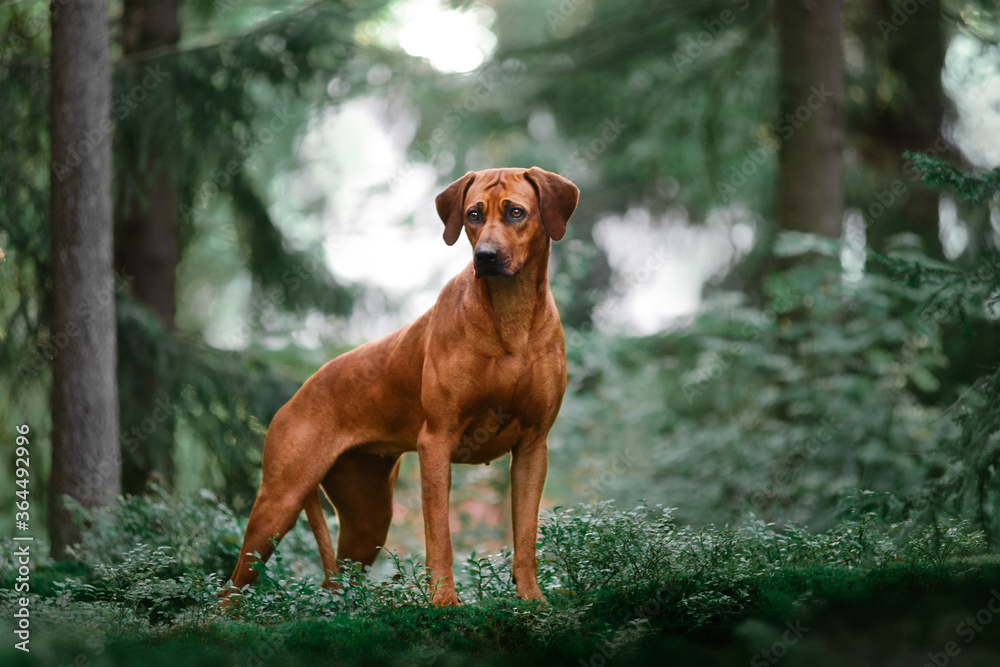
x,y
487,262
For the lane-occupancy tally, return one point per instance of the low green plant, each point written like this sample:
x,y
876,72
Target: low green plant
x,y
133,591
590,547
201,532
361,591
606,571
489,576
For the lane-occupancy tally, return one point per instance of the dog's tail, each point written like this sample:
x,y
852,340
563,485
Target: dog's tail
x,y
317,522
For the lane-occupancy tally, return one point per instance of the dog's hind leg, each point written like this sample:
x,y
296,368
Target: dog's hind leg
x,y
291,477
360,487
272,516
317,522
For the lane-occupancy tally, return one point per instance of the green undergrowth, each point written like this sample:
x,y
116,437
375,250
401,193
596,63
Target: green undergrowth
x,y
620,583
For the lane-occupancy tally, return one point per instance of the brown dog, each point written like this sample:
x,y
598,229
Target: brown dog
x,y
489,357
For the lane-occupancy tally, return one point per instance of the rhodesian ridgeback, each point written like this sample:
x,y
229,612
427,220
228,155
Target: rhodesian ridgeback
x,y
488,358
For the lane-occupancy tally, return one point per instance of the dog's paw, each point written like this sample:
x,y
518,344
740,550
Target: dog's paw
x,y
534,595
444,598
230,600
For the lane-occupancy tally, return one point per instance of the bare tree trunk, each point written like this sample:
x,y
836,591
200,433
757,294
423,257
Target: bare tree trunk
x,y
810,171
148,245
914,53
148,249
86,462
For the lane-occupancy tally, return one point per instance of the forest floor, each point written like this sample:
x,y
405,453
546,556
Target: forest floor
x,y
897,615
623,586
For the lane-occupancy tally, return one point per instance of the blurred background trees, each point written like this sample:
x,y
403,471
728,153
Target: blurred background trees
x,y
274,165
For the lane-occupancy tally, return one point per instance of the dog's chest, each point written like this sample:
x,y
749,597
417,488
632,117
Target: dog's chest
x,y
521,397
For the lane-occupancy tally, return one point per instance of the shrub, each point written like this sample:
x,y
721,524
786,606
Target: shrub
x,y
591,557
201,533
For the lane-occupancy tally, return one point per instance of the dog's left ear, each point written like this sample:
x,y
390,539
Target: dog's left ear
x,y
557,198
450,206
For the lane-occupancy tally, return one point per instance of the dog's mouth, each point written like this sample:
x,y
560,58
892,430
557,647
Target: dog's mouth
x,y
484,269
493,267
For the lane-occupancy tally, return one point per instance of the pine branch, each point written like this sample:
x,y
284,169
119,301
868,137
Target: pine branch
x,y
940,173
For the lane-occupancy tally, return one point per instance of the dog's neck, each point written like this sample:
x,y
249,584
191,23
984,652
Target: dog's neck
x,y
518,301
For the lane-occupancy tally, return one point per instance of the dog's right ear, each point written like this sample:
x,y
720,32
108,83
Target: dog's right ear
x,y
451,207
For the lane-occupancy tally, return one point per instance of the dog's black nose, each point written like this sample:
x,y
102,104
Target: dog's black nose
x,y
486,256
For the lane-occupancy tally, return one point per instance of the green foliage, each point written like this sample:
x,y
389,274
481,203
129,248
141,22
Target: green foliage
x,y
217,115
489,576
672,580
969,485
658,129
873,384
220,428
946,540
129,587
200,532
773,407
279,595
596,547
941,173
582,551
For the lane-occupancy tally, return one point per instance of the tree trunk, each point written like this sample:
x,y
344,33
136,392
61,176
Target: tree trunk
x,y
86,461
148,250
810,170
914,55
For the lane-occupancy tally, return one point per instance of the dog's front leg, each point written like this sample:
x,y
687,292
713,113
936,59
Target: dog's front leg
x,y
529,462
434,450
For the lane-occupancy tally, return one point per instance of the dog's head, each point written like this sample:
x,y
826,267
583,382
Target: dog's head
x,y
508,215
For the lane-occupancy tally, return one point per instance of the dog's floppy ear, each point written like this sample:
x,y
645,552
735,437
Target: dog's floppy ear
x,y
451,207
557,198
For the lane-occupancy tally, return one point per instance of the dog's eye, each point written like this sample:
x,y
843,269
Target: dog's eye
x,y
473,216
516,212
